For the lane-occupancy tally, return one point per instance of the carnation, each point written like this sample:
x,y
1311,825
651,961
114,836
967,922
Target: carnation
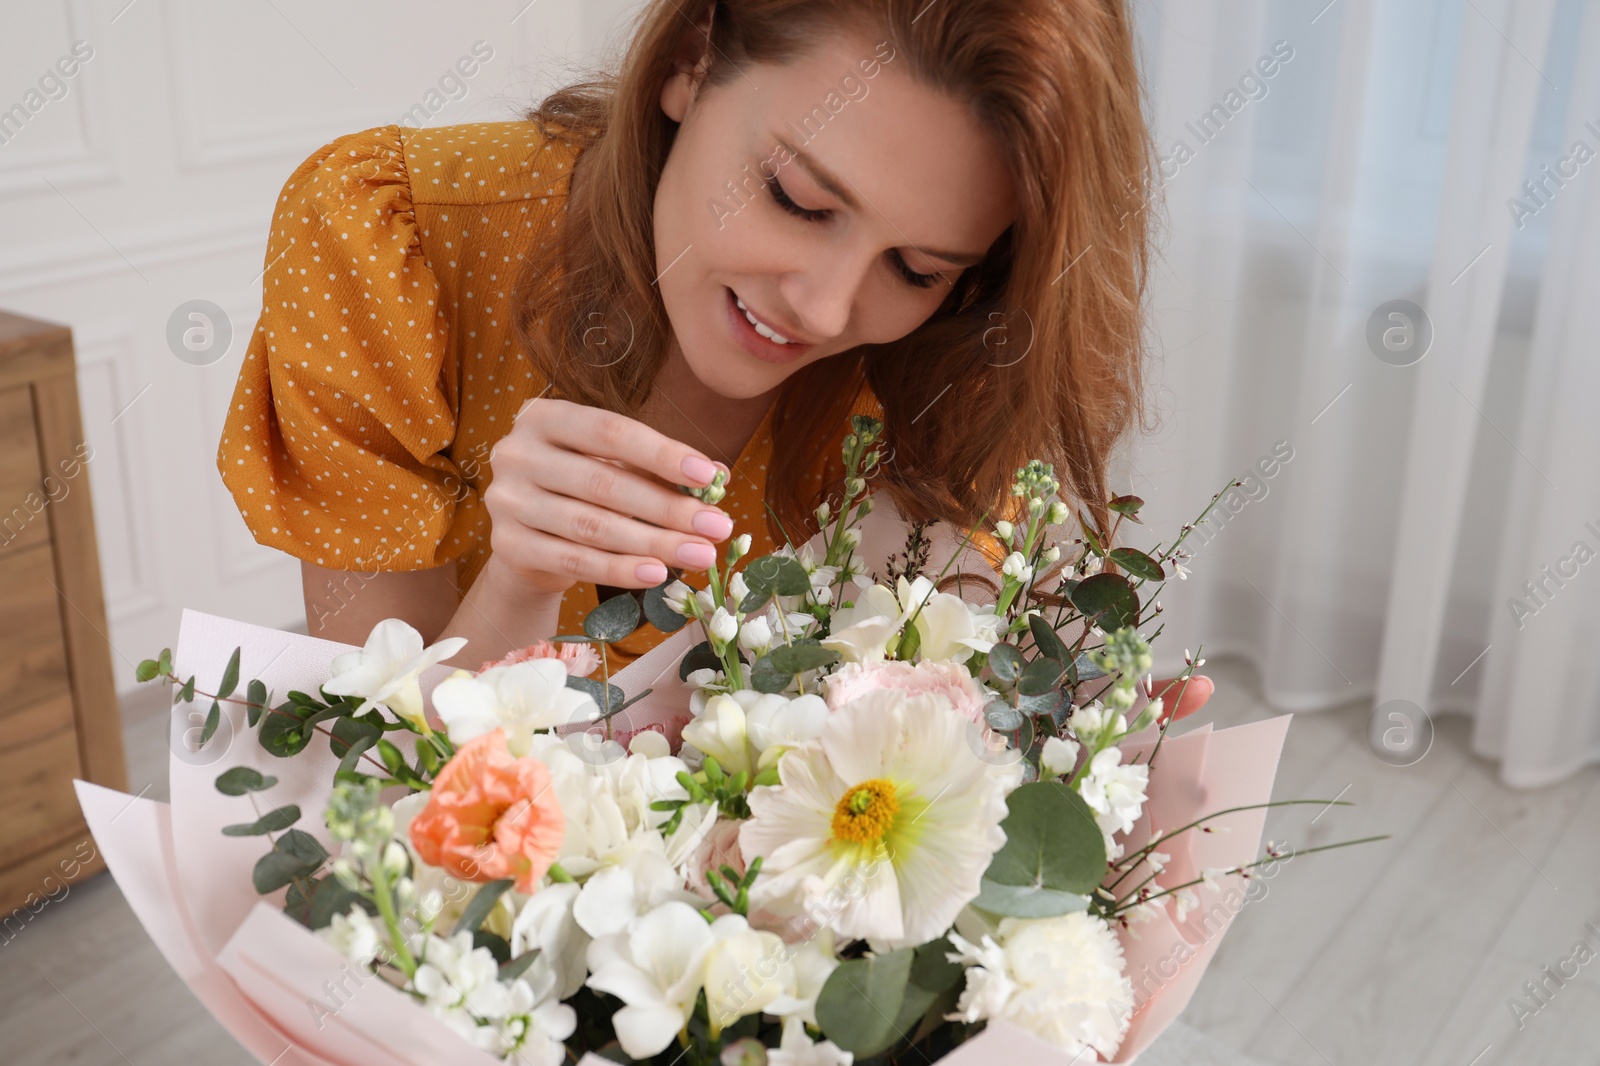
x,y
1060,979
930,676
579,658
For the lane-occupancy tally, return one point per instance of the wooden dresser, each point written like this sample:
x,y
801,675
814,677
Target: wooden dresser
x,y
59,715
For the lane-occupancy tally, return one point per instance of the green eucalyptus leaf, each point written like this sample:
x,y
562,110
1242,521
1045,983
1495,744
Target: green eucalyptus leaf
x,y
1003,717
699,657
862,999
765,677
255,694
1108,600
1138,564
1046,639
483,901
1052,841
797,658
1026,901
614,619
213,719
238,780
1041,677
271,822
601,694
148,670
510,971
1127,506
656,611
781,575
186,693
230,676
294,855
1006,661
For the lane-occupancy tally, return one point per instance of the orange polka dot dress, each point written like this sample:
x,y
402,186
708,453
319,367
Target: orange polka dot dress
x,y
384,367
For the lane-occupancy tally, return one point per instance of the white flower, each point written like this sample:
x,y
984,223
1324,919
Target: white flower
x,y
1183,573
746,731
1004,531
1051,554
745,971
1058,978
1058,758
1184,900
797,1049
387,669
1017,568
611,899
1057,513
813,961
546,924
738,589
1115,793
522,699
707,601
354,935
741,545
862,642
755,634
724,626
655,968
887,820
676,596
946,629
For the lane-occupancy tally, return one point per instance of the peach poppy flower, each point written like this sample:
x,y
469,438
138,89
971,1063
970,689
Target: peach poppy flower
x,y
491,816
579,659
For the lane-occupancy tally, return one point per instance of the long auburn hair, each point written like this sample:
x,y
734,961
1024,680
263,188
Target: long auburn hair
x,y
1040,345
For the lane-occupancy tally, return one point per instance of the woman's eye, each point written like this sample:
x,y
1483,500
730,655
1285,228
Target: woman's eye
x,y
789,205
921,281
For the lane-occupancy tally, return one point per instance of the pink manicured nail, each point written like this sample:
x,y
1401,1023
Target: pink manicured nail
x,y
699,556
651,573
713,524
697,469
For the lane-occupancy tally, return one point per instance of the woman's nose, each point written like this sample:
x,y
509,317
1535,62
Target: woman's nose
x,y
823,294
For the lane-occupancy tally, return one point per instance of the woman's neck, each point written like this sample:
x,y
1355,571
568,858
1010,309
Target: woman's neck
x,y
682,407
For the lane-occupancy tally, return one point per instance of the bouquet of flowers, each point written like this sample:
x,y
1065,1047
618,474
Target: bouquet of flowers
x,y
831,819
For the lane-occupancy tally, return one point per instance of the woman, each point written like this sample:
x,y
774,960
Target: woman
x,y
780,212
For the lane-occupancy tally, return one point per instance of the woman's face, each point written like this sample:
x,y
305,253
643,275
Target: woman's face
x,y
904,189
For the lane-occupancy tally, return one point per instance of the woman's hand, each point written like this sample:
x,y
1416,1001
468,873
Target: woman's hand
x,y
584,494
1182,700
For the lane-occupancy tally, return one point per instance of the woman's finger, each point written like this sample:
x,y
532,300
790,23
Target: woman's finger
x,y
1183,699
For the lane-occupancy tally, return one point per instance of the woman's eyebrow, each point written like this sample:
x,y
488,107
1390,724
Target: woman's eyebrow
x,y
826,178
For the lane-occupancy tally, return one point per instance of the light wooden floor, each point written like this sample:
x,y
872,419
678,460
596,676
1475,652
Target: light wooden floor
x,y
1402,952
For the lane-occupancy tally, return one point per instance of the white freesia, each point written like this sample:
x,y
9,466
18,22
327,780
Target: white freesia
x,y
1059,978
866,641
1016,566
655,968
798,1049
522,699
676,596
386,670
886,822
461,986
738,589
814,962
746,970
746,731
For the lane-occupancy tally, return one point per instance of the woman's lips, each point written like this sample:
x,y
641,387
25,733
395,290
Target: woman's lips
x,y
766,350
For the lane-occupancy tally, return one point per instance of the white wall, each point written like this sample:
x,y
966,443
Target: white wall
x,y
147,179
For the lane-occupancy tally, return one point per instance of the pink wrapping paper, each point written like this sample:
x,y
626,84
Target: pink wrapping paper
x,y
258,972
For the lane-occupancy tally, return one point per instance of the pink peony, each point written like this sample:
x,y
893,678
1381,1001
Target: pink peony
x,y
936,677
579,659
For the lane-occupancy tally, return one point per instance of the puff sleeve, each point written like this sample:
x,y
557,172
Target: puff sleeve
x,y
337,446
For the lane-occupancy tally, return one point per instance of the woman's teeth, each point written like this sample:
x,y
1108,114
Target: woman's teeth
x,y
761,327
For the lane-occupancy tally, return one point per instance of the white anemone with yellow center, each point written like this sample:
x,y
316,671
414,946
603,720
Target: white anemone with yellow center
x,y
882,827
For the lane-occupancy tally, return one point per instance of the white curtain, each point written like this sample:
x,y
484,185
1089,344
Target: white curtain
x,y
1409,529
